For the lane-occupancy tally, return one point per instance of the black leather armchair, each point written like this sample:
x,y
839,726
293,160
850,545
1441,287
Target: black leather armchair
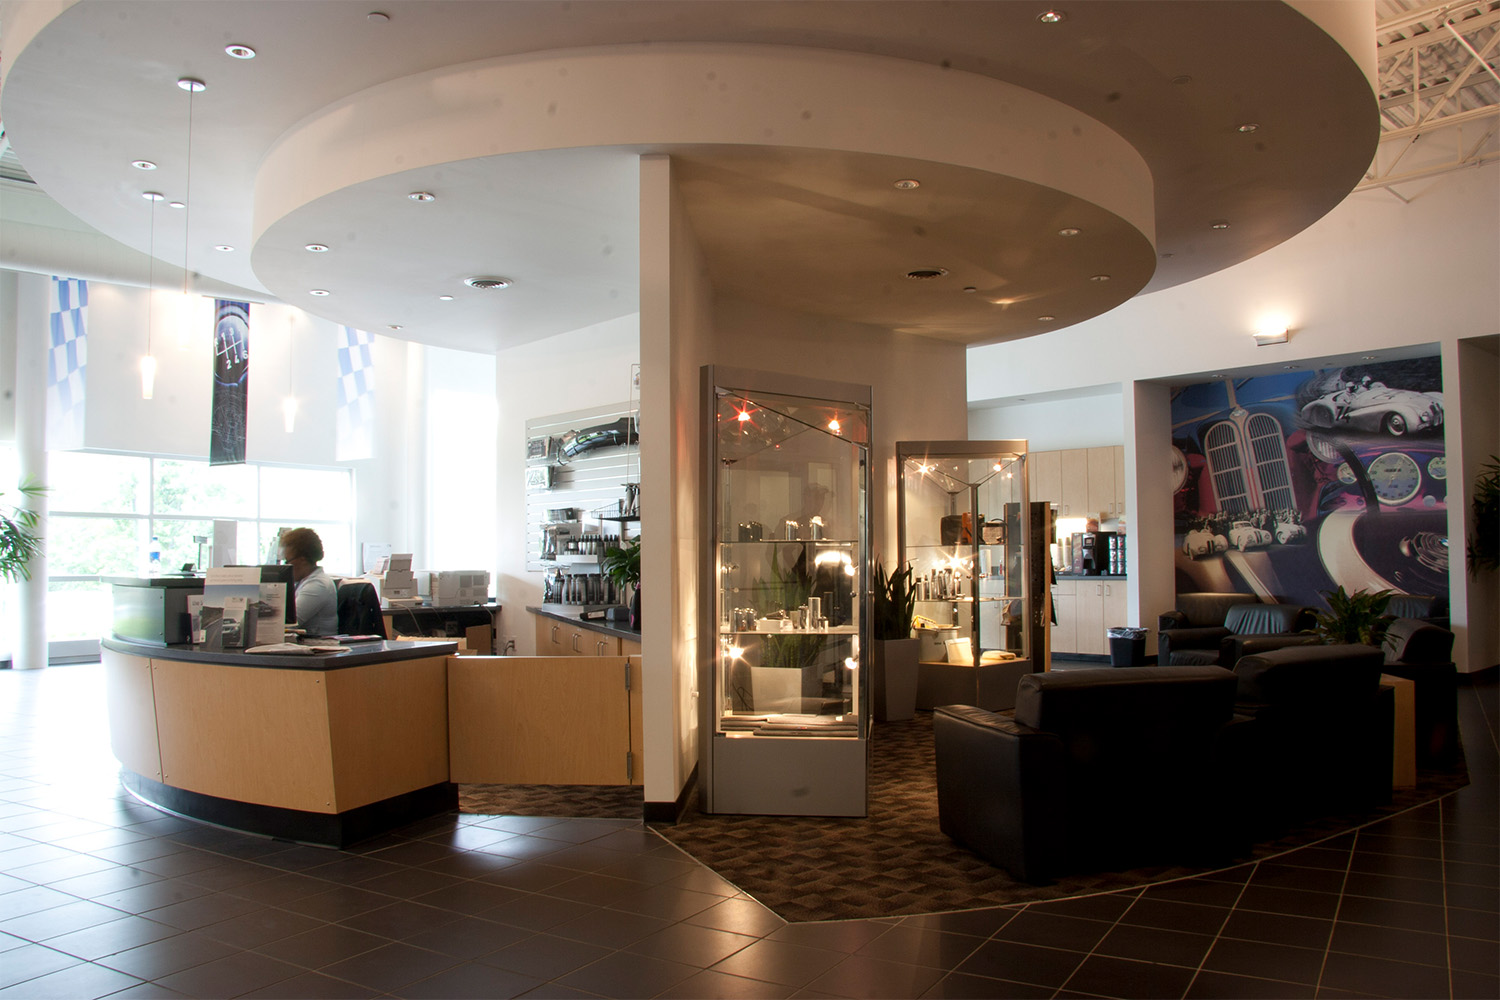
x,y
1245,627
1196,623
1424,607
1099,768
1423,654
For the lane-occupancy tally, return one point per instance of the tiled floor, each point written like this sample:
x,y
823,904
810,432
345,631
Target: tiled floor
x,y
102,896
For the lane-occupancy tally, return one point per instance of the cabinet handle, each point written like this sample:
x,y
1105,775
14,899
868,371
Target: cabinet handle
x,y
575,643
1099,589
600,647
554,633
1109,590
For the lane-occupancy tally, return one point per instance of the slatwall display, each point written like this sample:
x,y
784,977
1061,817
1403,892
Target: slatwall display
x,y
593,482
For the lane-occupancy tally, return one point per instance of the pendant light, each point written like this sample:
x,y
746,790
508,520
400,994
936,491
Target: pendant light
x,y
185,314
289,402
148,361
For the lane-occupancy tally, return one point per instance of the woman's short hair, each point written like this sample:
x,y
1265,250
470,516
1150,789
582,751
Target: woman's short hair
x,y
303,542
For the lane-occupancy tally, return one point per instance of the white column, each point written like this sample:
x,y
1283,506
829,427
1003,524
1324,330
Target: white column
x,y
418,476
32,340
1148,498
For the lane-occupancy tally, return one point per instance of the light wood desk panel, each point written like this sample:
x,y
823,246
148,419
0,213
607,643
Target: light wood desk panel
x,y
132,712
388,729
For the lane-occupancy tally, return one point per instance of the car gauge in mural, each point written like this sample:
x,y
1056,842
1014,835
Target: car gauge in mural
x,y
1395,476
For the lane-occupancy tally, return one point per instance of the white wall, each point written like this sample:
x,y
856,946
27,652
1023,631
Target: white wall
x,y
461,419
1091,419
571,371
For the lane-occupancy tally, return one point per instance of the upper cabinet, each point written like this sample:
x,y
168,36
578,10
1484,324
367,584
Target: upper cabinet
x,y
1082,482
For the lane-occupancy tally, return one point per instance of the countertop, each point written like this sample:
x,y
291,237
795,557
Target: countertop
x,y
1086,576
359,654
570,613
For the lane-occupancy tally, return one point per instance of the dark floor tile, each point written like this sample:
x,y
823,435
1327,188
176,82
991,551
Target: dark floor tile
x,y
625,974
652,869
82,980
1223,986
974,923
916,945
776,962
1472,956
310,986
399,919
867,976
230,875
109,938
1278,928
1382,977
58,869
1053,931
1191,917
468,937
528,876
32,961
1479,924
962,986
667,902
112,879
1473,897
74,916
230,976
469,982
390,967
1470,986
538,913
710,985
153,895
199,912
1269,961
167,956
1416,847
1383,942
598,890
1022,963
1209,892
703,880
407,883
337,903
608,928
470,864
1282,876
1411,890
690,944
740,915
1155,944
32,899
322,946
1469,873
1392,913
1316,857
261,926
545,957
149,991
1119,977
468,897
1105,906
1294,901
1400,865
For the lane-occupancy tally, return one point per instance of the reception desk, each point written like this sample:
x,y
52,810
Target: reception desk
x,y
324,749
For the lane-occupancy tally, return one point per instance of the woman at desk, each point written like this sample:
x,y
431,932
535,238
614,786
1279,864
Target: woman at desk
x,y
317,599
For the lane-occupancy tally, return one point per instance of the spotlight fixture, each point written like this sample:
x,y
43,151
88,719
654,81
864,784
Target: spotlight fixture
x,y
153,196
1216,376
377,17
177,204
1069,231
1249,127
143,164
1368,357
422,196
239,51
1219,224
192,85
1052,16
1098,277
970,289
445,298
1045,319
393,326
318,291
316,248
908,184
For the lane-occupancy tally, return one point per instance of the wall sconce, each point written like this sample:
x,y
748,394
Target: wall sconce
x,y
1272,332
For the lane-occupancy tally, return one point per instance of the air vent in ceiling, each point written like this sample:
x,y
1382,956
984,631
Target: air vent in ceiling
x,y
480,281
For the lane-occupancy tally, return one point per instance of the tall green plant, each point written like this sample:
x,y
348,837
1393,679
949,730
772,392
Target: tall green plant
x,y
19,539
1354,618
623,565
894,599
1484,543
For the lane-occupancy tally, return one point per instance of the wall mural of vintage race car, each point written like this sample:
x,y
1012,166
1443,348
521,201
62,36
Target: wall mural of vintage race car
x,y
1375,406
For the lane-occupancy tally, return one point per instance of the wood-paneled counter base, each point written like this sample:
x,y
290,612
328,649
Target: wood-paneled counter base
x,y
324,749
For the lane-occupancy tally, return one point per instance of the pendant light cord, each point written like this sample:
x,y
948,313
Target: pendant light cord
x,y
187,208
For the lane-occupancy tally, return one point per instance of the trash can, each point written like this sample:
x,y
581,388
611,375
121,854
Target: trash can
x,y
1127,646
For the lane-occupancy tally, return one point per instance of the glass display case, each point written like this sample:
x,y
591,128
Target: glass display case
x,y
964,524
787,464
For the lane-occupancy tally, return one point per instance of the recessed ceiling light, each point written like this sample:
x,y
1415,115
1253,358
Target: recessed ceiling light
x,y
1052,16
192,85
240,51
143,164
1045,319
1168,255
153,195
970,289
445,298
177,204
224,248
908,184
1069,231
1180,80
316,248
318,291
1098,277
393,326
1249,127
487,282
422,196
1219,224
926,273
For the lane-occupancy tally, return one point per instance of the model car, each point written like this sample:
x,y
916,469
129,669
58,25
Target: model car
x,y
1244,535
1202,542
1375,406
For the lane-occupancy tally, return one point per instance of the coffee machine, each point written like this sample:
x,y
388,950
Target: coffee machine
x,y
1091,553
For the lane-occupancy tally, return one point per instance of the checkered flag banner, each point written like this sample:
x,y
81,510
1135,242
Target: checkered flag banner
x,y
355,419
67,363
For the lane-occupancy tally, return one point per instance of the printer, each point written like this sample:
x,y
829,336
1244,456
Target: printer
x,y
450,587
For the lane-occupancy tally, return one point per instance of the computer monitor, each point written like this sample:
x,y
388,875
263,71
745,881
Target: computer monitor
x,y
282,573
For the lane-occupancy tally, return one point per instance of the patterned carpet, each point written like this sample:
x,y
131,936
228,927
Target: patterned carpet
x,y
578,801
894,861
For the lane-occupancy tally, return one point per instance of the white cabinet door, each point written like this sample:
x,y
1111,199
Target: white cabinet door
x,y
1119,451
1065,632
1115,605
1045,470
1075,483
1091,618
1101,466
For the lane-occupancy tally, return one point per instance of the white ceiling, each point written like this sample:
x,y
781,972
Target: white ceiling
x,y
796,209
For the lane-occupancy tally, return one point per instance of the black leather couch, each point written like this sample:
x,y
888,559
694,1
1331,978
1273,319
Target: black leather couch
x,y
1423,654
1245,628
1099,768
1320,736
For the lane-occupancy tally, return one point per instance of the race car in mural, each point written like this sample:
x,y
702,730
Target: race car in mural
x,y
1375,406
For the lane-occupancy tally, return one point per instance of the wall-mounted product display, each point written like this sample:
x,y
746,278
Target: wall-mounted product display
x,y
964,522
786,461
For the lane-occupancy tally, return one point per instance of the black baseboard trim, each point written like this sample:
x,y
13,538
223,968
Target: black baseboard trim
x,y
1484,675
319,829
670,812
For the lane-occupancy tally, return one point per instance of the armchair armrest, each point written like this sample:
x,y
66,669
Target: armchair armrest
x,y
1171,619
1234,647
1169,640
1001,789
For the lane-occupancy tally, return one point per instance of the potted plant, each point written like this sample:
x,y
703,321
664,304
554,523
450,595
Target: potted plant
x,y
1354,618
19,540
623,566
1484,543
894,650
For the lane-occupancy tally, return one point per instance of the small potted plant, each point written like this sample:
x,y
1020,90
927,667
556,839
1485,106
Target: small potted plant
x,y
1354,618
623,566
894,650
19,539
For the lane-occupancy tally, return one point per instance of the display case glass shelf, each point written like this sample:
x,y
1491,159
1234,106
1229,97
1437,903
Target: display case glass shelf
x,y
963,525
786,618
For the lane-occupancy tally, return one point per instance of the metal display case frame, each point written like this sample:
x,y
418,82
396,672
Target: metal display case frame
x,y
964,526
784,599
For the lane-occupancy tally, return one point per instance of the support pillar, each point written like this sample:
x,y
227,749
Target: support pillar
x,y
32,341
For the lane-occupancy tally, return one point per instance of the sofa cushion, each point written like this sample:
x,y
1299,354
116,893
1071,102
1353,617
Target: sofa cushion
x,y
1267,619
1417,606
1104,701
1208,608
1309,678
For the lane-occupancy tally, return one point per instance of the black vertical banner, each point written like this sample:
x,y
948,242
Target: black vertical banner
x,y
226,443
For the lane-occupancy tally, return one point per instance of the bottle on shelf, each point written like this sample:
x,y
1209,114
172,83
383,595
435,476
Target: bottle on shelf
x,y
155,556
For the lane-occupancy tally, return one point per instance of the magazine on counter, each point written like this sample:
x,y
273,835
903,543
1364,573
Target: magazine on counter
x,y
256,611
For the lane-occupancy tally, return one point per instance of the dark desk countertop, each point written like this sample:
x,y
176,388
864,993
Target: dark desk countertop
x,y
569,613
359,654
1085,576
